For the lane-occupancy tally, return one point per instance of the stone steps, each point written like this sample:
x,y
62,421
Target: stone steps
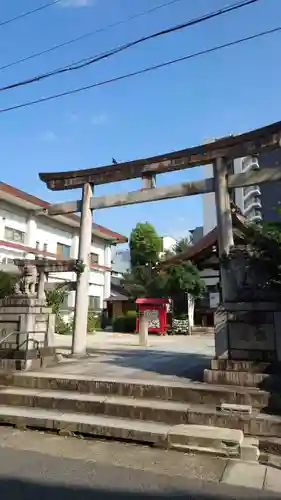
x,y
220,442
153,410
139,402
265,381
184,392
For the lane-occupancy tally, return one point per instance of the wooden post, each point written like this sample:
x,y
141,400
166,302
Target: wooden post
x,y
79,341
224,220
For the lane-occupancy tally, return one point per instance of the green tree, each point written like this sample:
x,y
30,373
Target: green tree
x,y
149,279
263,255
7,282
145,245
259,260
181,245
55,298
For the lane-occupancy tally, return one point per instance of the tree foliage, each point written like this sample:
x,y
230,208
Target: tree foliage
x,y
181,245
264,259
55,298
258,261
7,282
149,279
145,245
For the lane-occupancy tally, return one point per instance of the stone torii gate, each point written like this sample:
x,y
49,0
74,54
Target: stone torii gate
x,y
219,153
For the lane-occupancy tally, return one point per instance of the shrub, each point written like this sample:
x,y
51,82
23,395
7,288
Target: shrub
x,y
55,298
63,328
7,282
94,322
125,324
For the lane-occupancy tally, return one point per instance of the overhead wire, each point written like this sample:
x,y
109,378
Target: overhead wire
x,y
88,61
29,12
88,34
142,71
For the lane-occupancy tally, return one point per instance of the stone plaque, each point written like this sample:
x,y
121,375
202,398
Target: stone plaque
x,y
251,317
255,337
151,314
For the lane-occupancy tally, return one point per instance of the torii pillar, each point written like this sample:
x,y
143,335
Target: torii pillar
x,y
79,339
224,221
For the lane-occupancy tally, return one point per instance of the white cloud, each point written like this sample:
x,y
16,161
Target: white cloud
x,y
99,119
76,3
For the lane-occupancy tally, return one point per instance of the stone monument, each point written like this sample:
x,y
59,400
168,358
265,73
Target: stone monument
x,y
247,325
27,325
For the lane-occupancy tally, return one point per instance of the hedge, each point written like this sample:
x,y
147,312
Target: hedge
x,y
125,324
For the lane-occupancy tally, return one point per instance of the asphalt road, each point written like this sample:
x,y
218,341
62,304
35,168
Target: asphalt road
x,y
31,475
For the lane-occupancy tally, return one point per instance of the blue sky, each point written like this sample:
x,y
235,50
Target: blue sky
x,y
230,91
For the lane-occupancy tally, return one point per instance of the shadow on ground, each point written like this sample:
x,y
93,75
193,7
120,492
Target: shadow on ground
x,y
144,362
14,489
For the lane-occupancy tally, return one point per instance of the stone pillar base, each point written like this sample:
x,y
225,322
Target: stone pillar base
x,y
27,330
247,344
248,331
243,373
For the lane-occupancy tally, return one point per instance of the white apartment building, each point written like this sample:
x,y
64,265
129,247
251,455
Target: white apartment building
x,y
248,199
25,234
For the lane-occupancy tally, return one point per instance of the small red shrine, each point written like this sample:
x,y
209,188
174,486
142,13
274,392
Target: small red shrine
x,y
155,310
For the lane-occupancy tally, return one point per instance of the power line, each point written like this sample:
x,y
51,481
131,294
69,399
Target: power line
x,y
87,35
142,71
28,13
86,62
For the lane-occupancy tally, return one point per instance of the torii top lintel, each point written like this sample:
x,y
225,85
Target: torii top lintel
x,y
233,146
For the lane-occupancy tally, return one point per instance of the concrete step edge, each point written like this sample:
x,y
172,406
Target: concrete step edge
x,y
92,397
123,400
18,378
214,440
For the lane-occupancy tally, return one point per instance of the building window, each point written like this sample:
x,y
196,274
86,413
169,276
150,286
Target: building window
x,y
37,245
94,258
45,247
94,303
14,235
7,260
63,251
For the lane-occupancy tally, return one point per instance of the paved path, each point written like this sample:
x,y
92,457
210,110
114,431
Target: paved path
x,y
40,466
119,355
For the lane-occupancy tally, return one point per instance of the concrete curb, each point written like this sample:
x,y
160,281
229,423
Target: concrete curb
x,y
212,440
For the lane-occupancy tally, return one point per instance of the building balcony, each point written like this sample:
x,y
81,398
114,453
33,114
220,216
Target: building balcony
x,y
256,218
254,215
250,164
252,203
251,191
